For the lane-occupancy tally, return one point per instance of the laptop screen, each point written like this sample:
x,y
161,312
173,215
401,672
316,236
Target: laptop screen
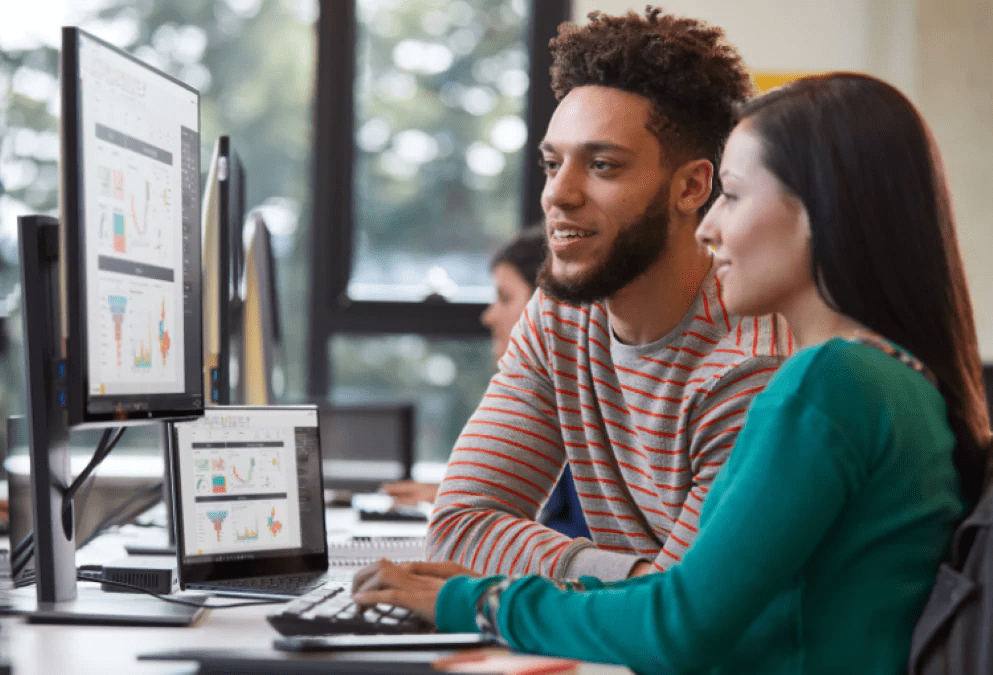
x,y
248,492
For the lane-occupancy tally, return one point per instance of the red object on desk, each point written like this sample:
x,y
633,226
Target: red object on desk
x,y
506,663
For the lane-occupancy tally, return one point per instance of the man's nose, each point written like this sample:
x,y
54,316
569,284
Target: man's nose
x,y
564,188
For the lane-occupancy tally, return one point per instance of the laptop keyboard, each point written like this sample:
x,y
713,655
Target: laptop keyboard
x,y
289,584
329,610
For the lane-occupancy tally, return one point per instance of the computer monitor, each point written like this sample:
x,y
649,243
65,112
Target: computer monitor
x,y
223,259
112,303
367,444
129,238
262,372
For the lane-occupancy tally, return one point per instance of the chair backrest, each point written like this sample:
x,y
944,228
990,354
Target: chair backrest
x,y
955,631
366,444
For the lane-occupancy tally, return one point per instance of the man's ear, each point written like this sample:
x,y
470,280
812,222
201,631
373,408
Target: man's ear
x,y
691,186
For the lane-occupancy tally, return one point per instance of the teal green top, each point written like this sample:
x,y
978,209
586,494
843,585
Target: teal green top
x,y
818,545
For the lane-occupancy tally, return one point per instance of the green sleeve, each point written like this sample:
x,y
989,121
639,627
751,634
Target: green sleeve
x,y
455,608
760,531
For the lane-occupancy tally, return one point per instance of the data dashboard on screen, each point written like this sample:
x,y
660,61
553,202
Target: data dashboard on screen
x,y
241,482
140,166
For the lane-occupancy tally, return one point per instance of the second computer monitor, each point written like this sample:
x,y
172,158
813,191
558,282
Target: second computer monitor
x,y
261,379
223,261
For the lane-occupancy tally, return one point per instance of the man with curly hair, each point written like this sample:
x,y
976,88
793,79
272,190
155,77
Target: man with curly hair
x,y
625,364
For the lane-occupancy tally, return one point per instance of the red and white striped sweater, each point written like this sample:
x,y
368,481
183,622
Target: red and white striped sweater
x,y
645,429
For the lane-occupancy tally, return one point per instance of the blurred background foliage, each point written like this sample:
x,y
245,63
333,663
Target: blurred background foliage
x,y
440,94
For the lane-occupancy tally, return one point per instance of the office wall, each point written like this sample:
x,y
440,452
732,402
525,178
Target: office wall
x,y
938,52
955,81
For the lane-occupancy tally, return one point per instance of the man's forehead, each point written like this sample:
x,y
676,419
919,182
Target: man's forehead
x,y
600,116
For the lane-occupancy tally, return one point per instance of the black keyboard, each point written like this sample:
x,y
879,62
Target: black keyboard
x,y
288,584
329,610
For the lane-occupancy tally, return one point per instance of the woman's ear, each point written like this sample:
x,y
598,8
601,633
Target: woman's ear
x,y
691,186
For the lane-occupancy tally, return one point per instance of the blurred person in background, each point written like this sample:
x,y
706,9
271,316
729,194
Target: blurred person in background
x,y
514,269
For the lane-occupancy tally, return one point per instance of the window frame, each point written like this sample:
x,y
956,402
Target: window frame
x,y
332,230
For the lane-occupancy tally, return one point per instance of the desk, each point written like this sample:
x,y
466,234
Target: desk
x,y
100,650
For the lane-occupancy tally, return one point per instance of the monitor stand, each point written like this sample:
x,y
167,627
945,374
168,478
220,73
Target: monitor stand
x,y
58,599
95,607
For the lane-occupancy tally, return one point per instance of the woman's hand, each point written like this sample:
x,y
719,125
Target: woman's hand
x,y
414,586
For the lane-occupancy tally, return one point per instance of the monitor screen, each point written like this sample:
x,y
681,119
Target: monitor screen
x,y
130,237
248,488
367,444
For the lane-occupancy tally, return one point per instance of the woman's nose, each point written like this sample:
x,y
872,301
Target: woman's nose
x,y
707,233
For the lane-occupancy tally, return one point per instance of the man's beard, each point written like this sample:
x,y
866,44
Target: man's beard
x,y
635,249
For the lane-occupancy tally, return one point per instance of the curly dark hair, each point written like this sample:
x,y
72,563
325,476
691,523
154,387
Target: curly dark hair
x,y
692,76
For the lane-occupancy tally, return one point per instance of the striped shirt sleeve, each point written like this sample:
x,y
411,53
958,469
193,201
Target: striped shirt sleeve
x,y
505,464
714,419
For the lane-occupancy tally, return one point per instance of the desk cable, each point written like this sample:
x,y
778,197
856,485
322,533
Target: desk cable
x,y
24,549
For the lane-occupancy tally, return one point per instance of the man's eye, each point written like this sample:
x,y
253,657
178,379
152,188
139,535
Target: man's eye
x,y
600,165
547,164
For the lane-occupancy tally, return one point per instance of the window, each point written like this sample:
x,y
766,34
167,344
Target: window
x,y
445,378
390,144
253,62
427,117
440,99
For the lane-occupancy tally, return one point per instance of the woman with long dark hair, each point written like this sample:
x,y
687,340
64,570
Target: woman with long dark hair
x,y
820,539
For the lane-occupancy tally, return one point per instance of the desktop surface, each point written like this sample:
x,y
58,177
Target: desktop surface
x,y
39,649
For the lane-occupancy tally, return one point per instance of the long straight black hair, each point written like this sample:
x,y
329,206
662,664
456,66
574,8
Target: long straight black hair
x,y
859,156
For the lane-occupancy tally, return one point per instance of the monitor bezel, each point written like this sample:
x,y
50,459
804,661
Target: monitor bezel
x,y
226,182
130,408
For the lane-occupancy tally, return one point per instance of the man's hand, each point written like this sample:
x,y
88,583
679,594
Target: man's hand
x,y
366,579
414,586
410,493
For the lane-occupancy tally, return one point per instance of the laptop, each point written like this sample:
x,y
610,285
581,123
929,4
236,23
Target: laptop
x,y
248,492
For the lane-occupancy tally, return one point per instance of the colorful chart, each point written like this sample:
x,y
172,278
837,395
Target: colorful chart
x,y
118,306
143,355
217,519
120,236
118,190
274,525
142,225
251,470
164,341
248,534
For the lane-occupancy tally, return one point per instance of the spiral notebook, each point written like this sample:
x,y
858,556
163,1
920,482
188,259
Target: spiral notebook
x,y
359,551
